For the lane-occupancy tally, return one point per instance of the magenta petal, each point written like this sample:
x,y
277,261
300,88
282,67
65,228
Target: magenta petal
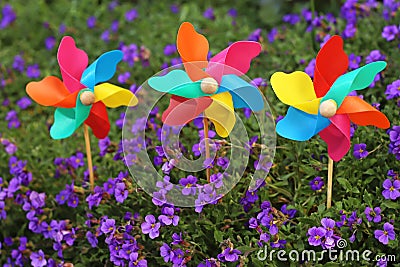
x,y
182,110
337,136
73,62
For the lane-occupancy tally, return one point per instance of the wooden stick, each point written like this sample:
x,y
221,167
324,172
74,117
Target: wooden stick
x,y
330,176
89,156
207,144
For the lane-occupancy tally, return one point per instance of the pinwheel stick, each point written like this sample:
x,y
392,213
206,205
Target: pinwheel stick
x,y
89,156
207,145
329,191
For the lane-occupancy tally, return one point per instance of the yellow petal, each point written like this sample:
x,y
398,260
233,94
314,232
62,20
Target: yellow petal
x,y
221,113
114,96
296,89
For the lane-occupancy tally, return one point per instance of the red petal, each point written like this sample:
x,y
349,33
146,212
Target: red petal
x,y
98,120
182,110
331,62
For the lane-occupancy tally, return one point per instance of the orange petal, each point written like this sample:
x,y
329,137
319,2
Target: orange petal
x,y
51,92
192,47
362,113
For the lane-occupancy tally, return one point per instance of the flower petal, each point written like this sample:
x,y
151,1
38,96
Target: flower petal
x,y
51,92
362,113
221,113
355,80
244,94
192,47
337,136
331,62
300,126
114,96
98,120
67,120
177,82
73,62
295,89
182,110
102,69
235,59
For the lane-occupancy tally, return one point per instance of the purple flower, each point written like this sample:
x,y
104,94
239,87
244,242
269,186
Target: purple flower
x,y
317,183
124,77
50,42
12,118
229,254
310,68
174,8
394,146
108,226
209,14
316,234
105,36
168,216
328,225
169,49
166,253
92,239
19,63
177,239
354,61
390,32
131,15
33,71
349,31
134,261
385,235
120,192
291,18
189,184
393,90
374,55
24,102
91,22
232,12
223,162
114,25
103,146
150,226
62,28
38,259
272,35
373,214
360,151
8,16
255,35
391,189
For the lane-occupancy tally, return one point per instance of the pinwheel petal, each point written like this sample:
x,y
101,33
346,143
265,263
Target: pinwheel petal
x,y
114,96
235,59
244,94
295,89
177,82
331,62
362,113
337,136
98,120
355,80
102,69
221,113
73,62
300,126
67,120
51,92
182,110
193,49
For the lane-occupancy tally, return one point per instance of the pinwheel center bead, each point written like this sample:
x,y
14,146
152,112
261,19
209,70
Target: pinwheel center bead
x,y
209,85
328,108
87,98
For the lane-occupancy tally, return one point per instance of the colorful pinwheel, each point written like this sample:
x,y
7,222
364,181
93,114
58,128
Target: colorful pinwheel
x,y
78,98
323,106
213,87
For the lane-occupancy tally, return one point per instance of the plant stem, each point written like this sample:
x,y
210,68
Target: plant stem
x,y
207,145
330,176
89,156
312,6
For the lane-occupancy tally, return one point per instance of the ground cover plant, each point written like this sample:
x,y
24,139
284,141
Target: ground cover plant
x,y
49,216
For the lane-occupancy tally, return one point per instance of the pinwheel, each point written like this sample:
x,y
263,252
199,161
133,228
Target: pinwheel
x,y
79,98
323,106
214,87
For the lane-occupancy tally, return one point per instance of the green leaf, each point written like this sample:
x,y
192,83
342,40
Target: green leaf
x,y
345,184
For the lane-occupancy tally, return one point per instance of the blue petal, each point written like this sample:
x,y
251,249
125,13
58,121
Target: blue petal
x,y
244,94
102,69
300,126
